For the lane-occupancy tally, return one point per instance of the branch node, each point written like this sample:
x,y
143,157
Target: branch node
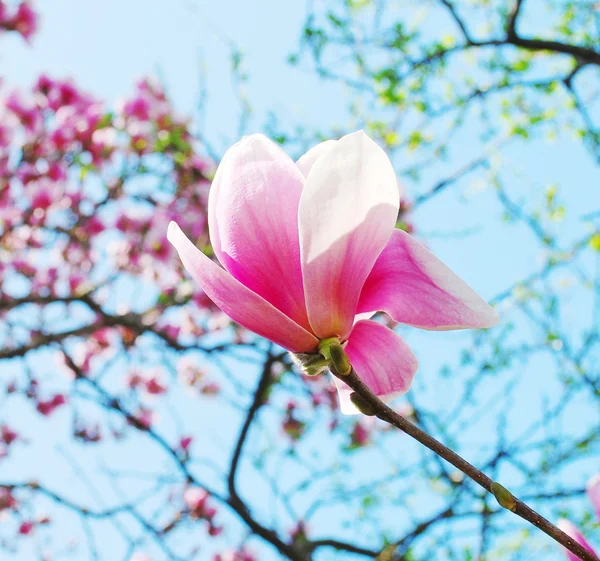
x,y
362,404
504,497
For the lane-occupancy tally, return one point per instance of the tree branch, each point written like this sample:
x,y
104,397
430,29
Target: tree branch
x,y
266,379
503,496
235,504
511,25
457,19
582,54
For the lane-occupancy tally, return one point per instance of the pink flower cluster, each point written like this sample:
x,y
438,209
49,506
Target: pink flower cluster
x,y
7,499
23,19
235,555
194,377
361,434
87,433
47,406
68,172
7,438
64,137
150,382
292,426
44,405
197,502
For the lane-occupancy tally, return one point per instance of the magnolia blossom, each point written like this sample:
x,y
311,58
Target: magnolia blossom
x,y
25,21
569,528
309,251
593,492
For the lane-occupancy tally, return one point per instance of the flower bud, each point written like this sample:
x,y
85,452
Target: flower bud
x,y
361,404
340,359
332,350
504,497
311,364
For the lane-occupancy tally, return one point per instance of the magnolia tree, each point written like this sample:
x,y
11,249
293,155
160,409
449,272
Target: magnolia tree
x,y
141,422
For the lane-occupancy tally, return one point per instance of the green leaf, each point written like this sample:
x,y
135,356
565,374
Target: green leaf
x,y
595,242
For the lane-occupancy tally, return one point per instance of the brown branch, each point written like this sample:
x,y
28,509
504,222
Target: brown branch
x,y
266,379
342,546
503,496
511,25
457,19
129,320
47,339
582,54
83,510
269,535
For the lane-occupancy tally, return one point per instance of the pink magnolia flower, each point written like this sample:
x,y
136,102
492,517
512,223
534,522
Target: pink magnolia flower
x,y
42,194
8,435
185,443
593,492
8,124
25,21
232,555
360,435
44,84
7,500
144,417
196,501
139,107
48,406
87,433
309,250
155,386
195,498
26,528
572,530
29,115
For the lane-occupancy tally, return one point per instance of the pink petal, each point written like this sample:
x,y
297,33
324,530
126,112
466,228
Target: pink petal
x,y
239,302
569,528
381,359
365,315
305,163
413,286
253,221
593,492
347,213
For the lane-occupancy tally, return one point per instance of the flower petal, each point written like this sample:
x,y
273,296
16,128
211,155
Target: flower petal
x,y
241,304
253,222
593,492
414,287
347,213
381,359
569,528
306,162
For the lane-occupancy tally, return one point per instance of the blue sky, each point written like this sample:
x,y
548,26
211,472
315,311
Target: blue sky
x,y
107,46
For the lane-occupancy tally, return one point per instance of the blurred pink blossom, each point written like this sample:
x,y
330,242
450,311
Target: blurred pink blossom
x,y
26,528
25,21
593,492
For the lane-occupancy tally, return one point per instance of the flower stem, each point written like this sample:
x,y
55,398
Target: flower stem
x,y
504,497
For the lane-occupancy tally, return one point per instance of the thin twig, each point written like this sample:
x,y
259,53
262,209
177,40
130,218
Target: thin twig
x,y
504,497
